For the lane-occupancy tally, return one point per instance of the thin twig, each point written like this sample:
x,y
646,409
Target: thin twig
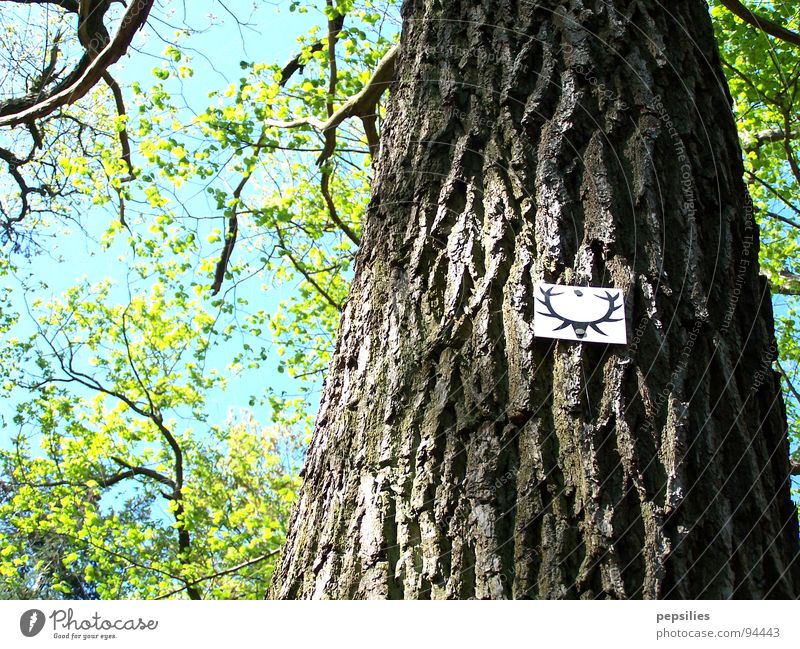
x,y
221,573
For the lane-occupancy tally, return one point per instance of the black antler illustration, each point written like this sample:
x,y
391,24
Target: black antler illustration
x,y
580,327
551,312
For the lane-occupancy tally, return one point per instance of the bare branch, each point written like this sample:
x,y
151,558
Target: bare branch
x,y
124,142
85,75
37,87
788,221
326,194
14,163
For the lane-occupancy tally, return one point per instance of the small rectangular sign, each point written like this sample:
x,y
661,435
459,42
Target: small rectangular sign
x,y
588,314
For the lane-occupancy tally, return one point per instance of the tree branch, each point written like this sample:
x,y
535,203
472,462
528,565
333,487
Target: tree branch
x,y
784,219
136,471
326,194
154,415
768,136
14,163
754,178
300,269
233,223
124,142
37,87
789,383
362,103
184,539
221,573
764,24
85,75
118,555
110,481
787,146
294,64
373,141
67,5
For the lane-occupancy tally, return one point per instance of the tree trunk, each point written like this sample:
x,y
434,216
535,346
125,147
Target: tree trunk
x,y
456,455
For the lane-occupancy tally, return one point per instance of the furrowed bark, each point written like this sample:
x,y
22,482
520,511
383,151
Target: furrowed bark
x,y
456,455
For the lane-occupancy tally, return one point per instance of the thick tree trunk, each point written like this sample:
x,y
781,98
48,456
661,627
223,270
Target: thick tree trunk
x,y
455,454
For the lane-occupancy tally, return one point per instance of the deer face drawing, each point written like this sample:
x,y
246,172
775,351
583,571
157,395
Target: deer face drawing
x,y
584,309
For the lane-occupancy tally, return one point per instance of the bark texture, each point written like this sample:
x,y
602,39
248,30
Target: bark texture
x,y
455,454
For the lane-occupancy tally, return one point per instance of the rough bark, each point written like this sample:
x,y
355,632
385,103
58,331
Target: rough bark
x,y
456,455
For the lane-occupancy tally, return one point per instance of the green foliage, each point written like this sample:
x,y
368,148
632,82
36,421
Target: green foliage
x,y
286,230
115,392
764,78
65,536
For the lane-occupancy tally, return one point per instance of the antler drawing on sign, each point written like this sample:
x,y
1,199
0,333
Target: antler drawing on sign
x,y
580,327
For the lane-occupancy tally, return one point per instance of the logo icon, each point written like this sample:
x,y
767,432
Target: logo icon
x,y
580,313
31,622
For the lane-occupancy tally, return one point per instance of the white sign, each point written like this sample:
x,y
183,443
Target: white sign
x,y
587,314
